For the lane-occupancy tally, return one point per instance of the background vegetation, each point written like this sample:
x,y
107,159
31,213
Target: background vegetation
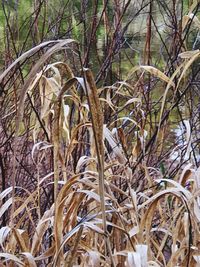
x,y
99,133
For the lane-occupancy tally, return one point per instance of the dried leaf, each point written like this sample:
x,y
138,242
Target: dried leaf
x,y
13,258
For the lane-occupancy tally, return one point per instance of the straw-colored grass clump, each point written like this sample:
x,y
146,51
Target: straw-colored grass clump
x,y
95,194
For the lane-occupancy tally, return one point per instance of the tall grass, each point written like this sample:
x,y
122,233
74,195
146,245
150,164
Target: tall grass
x,y
95,172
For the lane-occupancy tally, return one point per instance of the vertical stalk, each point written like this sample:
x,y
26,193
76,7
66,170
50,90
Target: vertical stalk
x,y
106,21
97,126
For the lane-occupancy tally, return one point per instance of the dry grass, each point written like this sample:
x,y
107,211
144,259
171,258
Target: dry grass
x,y
95,192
